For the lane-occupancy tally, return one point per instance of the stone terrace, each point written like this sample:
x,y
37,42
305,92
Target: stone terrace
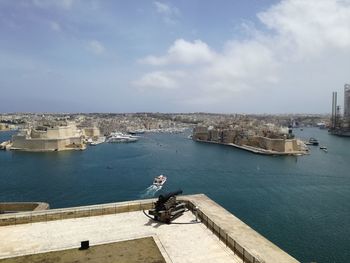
x,y
221,237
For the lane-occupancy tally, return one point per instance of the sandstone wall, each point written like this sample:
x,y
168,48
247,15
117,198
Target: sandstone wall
x,y
21,143
278,145
92,132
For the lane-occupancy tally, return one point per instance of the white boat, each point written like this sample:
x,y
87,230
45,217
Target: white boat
x,y
98,141
324,148
159,180
140,131
116,137
312,141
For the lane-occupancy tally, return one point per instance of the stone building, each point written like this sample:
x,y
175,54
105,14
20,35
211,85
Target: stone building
x,y
277,145
270,140
93,132
201,133
4,127
49,138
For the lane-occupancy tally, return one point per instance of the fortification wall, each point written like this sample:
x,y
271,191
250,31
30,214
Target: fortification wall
x,y
291,145
201,136
229,136
21,143
62,132
37,134
278,145
201,133
59,132
92,132
214,135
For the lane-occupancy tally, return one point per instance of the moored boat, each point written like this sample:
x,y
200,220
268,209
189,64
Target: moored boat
x,y
312,141
324,148
117,137
98,141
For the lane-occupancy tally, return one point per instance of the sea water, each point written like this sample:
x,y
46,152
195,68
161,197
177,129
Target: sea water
x,y
302,204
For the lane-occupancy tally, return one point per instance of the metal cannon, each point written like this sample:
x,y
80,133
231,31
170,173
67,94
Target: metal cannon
x,y
167,208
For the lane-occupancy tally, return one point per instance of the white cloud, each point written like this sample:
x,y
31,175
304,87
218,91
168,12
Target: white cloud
x,y
162,8
65,4
96,47
169,13
55,26
159,80
303,48
183,52
310,26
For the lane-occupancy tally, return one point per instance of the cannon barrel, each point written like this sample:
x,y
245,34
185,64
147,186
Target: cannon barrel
x,y
164,198
167,208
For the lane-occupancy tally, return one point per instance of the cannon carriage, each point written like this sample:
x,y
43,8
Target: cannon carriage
x,y
167,208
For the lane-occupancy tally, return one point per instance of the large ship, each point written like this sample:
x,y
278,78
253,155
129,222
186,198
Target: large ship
x,y
117,137
312,141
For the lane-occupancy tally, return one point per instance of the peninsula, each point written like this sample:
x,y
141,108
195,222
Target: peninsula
x,y
265,139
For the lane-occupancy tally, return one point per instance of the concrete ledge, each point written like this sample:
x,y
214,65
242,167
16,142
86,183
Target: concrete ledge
x,y
235,234
243,240
74,212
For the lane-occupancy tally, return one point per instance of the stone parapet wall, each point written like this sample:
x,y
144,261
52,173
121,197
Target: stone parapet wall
x,y
239,237
74,212
22,206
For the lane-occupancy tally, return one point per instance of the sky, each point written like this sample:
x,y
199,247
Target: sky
x,y
256,56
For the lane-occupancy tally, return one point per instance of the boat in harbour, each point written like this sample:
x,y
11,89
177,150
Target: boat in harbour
x,y
117,137
324,148
134,132
98,141
312,141
159,180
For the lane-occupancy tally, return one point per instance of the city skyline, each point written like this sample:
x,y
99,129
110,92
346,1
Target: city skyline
x,y
173,56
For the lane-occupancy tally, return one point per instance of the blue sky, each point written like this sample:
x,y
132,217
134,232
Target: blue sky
x,y
257,56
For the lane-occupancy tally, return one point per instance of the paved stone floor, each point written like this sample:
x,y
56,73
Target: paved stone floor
x,y
177,242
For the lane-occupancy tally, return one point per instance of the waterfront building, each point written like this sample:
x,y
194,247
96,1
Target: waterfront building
x,y
4,127
46,137
265,139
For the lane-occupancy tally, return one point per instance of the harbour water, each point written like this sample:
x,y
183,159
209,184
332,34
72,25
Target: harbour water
x,y
300,203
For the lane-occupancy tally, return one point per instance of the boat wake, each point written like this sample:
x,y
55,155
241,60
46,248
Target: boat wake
x,y
150,191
